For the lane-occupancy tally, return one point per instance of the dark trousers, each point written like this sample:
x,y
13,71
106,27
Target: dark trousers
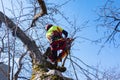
x,y
54,55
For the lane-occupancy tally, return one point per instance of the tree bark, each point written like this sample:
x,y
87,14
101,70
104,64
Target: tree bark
x,y
39,64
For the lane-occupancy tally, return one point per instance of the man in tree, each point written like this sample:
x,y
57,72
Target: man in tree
x,y
53,34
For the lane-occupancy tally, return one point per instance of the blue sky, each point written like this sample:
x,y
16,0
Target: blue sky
x,y
83,10
109,56
88,52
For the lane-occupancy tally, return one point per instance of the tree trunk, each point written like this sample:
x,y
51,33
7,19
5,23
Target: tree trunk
x,y
39,64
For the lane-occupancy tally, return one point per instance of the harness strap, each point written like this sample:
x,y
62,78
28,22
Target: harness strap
x,y
59,44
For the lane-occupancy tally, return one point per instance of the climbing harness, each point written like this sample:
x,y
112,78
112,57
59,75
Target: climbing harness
x,y
64,45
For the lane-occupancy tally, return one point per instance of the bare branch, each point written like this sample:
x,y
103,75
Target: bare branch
x,y
31,45
0,23
116,27
36,55
84,70
43,11
20,66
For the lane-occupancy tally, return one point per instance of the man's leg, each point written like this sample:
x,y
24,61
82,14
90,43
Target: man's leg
x,y
47,53
62,55
54,55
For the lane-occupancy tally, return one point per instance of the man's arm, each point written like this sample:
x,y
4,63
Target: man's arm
x,y
65,33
